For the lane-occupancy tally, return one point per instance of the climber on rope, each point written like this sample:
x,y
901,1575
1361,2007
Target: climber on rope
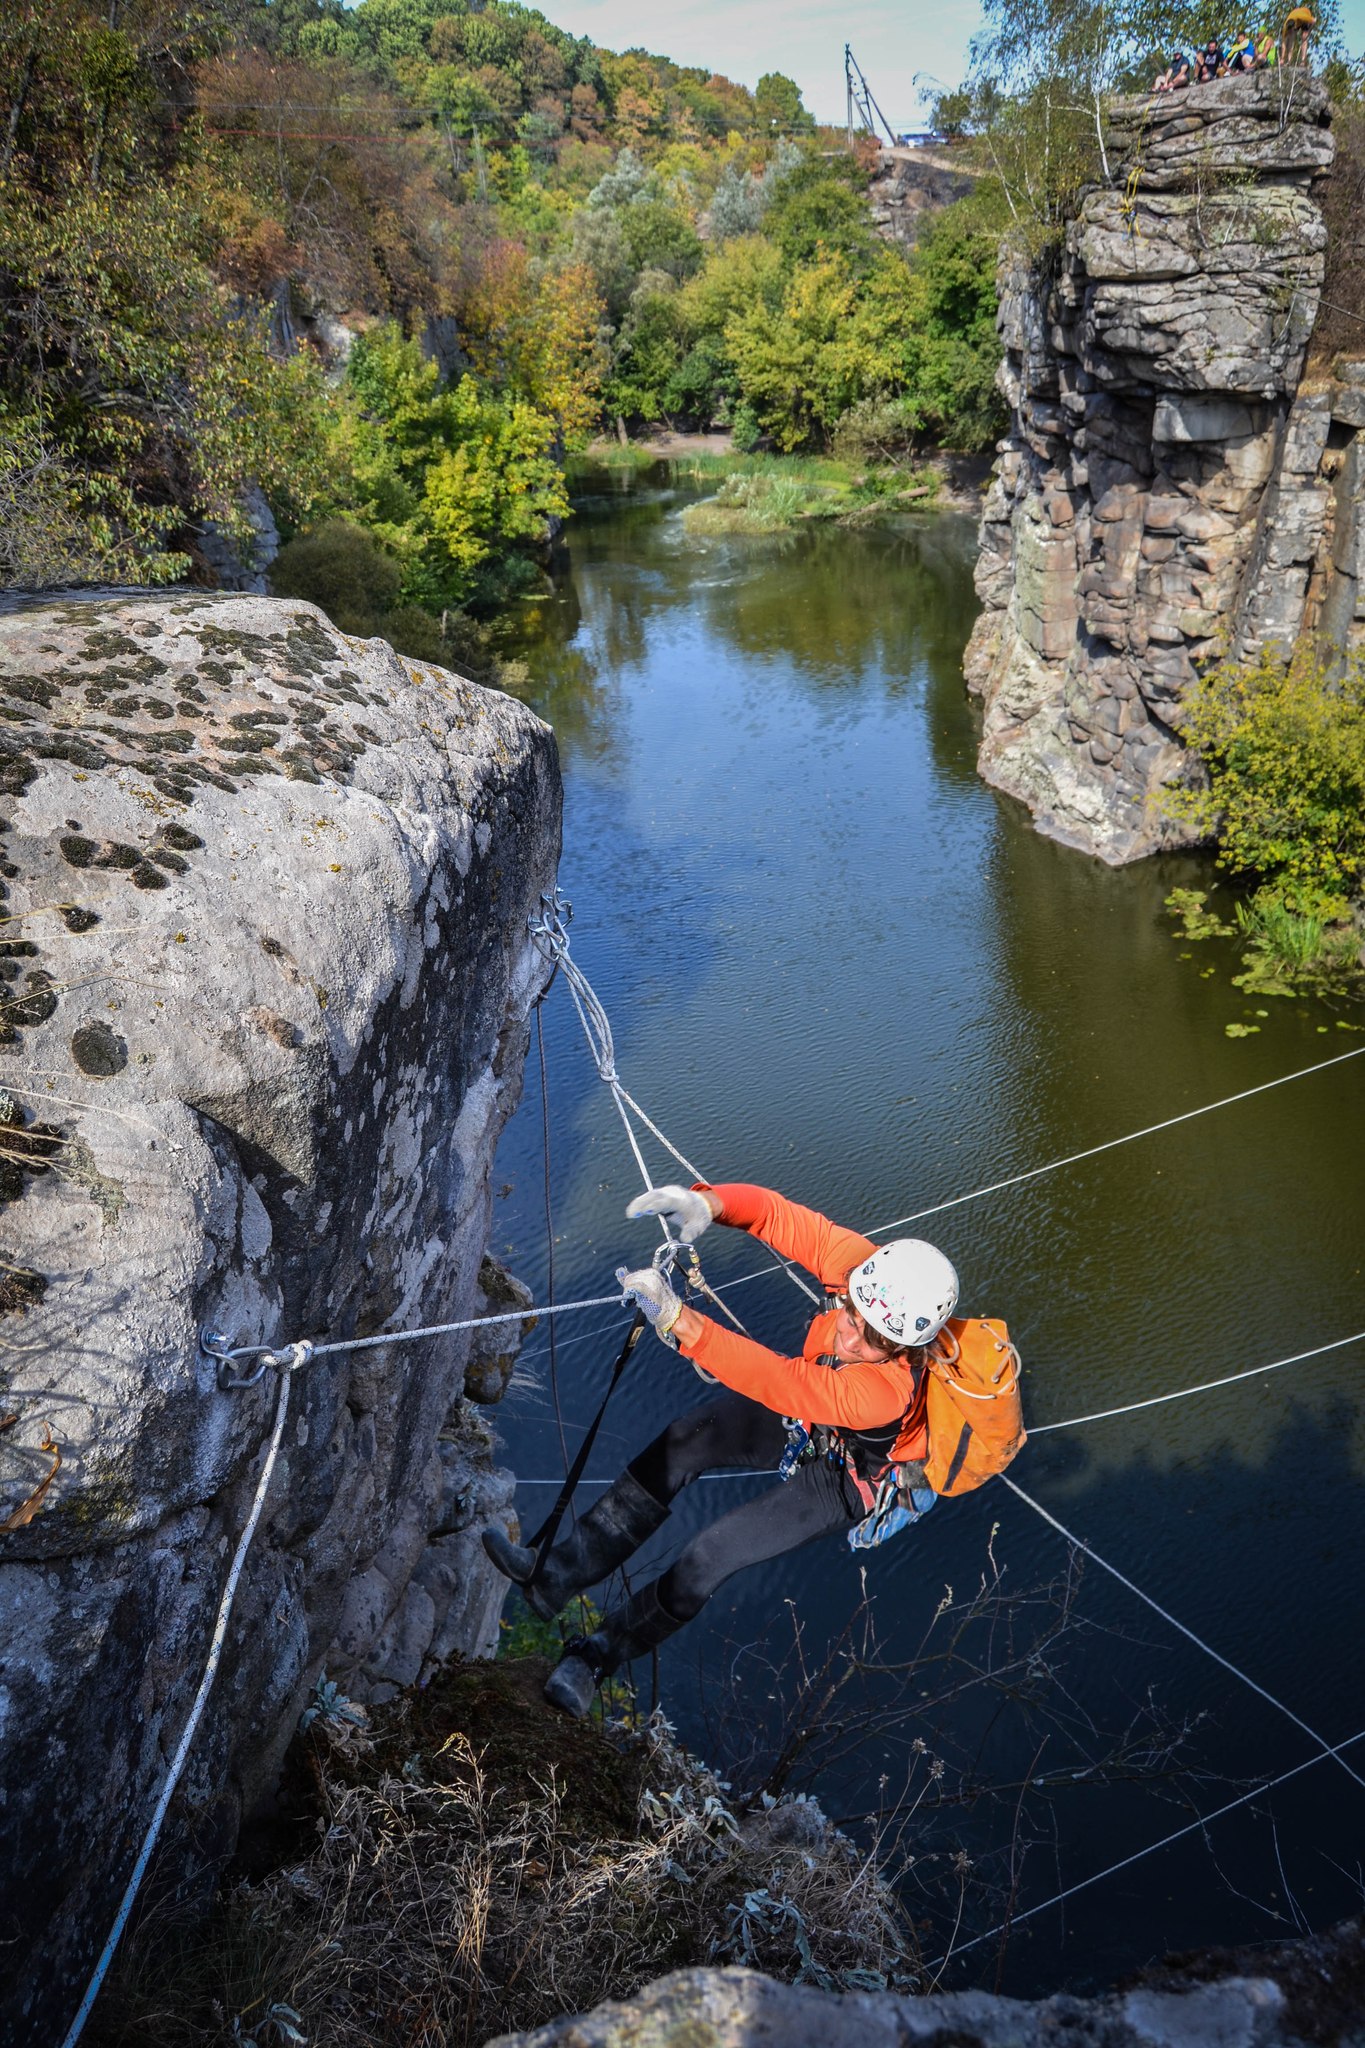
x,y
892,1402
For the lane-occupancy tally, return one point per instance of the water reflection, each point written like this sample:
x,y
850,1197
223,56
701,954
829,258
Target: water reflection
x,y
877,615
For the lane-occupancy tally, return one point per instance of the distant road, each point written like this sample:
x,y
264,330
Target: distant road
x,y
940,159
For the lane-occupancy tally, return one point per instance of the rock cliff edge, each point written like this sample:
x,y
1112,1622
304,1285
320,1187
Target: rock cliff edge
x,y
1171,486
266,982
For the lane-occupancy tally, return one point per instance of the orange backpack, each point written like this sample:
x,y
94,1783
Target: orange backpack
x,y
976,1422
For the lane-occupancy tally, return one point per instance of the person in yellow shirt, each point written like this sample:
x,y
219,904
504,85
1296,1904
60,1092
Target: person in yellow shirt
x,y
1298,25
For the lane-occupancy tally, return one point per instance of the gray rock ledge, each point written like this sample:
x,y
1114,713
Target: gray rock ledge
x,y
263,1018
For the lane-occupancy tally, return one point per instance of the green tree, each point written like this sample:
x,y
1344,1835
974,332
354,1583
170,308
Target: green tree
x,y
952,350
837,338
746,272
650,350
454,480
659,238
778,108
951,113
121,358
821,205
464,99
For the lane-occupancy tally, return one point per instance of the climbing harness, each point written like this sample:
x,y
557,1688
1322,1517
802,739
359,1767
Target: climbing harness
x,y
902,1498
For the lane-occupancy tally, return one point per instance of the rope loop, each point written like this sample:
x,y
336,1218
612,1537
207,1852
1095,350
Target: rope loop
x,y
292,1358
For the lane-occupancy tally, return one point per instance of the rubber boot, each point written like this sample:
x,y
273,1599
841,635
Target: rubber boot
x,y
611,1531
628,1631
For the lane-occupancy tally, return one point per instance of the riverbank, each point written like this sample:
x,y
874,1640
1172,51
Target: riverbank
x,y
762,493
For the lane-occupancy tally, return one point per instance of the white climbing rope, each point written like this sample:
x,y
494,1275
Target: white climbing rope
x,y
1191,1828
1079,1543
1101,1415
267,1355
149,1840
550,934
1205,1387
1149,1130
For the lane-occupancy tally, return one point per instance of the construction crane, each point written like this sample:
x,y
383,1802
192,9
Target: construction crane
x,y
861,102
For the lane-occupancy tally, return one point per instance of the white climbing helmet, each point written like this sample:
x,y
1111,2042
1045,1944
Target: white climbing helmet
x,y
907,1290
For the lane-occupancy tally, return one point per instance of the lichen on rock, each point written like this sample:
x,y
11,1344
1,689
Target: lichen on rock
x,y
265,999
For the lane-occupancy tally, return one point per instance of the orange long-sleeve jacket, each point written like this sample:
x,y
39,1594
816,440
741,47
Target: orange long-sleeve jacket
x,y
852,1397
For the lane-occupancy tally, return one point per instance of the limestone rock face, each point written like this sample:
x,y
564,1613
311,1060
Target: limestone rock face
x,y
713,2008
266,981
1169,489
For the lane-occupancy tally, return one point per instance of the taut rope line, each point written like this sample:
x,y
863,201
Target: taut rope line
x,y
1191,1828
1079,1543
1101,1415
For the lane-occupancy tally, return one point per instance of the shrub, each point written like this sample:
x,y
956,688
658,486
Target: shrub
x,y
1284,751
341,567
42,542
876,430
746,429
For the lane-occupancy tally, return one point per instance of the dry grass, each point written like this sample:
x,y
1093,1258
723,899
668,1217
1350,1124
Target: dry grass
x,y
465,1889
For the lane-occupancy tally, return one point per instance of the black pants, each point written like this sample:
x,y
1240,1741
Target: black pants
x,y
733,1433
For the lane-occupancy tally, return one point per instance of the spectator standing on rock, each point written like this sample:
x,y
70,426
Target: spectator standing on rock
x,y
1298,26
855,1427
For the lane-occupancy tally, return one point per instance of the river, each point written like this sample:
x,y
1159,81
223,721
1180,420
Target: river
x,y
835,962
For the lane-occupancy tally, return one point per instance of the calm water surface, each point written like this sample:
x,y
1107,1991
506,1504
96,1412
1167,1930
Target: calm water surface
x,y
836,963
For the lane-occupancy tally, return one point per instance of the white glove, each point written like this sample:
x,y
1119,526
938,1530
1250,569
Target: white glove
x,y
686,1212
652,1295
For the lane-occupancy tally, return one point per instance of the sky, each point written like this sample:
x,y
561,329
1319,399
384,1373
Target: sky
x,y
907,52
